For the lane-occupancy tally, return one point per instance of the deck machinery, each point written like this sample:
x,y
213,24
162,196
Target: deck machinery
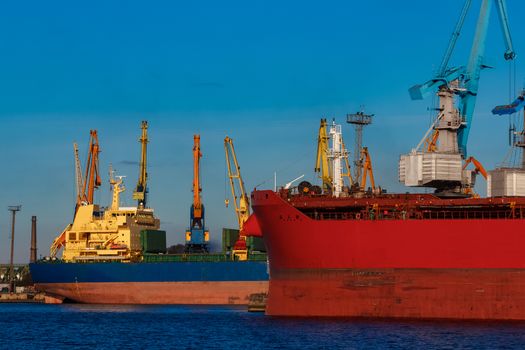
x,y
332,163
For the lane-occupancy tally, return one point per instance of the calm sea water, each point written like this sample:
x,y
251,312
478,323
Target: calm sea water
x,y
24,326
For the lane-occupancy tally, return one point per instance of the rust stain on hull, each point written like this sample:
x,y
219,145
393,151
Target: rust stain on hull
x,y
399,293
205,293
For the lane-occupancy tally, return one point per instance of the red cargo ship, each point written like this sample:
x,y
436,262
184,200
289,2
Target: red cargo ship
x,y
406,255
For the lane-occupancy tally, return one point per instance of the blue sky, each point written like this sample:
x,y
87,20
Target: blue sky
x,y
262,72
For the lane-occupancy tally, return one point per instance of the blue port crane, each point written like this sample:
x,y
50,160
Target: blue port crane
x,y
467,76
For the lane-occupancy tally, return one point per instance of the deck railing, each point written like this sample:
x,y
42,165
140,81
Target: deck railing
x,y
518,213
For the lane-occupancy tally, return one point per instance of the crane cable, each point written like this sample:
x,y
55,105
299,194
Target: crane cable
x,y
515,122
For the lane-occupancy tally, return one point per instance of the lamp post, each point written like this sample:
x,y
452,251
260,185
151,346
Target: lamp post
x,y
13,209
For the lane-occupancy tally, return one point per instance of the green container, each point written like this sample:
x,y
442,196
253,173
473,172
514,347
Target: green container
x,y
258,257
153,241
255,244
185,258
229,237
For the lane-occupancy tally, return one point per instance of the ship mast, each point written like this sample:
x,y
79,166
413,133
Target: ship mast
x,y
336,154
118,188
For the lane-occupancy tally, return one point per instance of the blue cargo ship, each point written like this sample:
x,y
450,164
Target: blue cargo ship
x,y
157,280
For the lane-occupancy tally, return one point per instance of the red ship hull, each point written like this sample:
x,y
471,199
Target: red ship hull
x,y
455,269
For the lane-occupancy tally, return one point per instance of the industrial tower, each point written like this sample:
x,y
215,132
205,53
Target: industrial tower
x,y
359,120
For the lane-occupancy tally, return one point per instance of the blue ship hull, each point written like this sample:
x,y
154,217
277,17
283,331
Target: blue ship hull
x,y
230,282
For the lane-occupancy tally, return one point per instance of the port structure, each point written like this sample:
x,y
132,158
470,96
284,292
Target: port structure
x,y
510,180
241,200
197,235
439,164
141,191
13,209
359,120
518,137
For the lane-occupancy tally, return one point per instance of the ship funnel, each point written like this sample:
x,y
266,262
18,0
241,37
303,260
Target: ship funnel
x,y
32,253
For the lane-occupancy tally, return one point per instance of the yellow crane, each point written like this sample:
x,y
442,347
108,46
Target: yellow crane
x,y
322,164
92,179
478,169
348,174
86,185
197,235
241,200
431,141
141,190
367,169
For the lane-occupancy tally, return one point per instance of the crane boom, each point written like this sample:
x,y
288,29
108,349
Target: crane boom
x,y
504,23
478,167
140,193
322,163
91,180
79,181
452,43
197,204
367,169
514,107
240,198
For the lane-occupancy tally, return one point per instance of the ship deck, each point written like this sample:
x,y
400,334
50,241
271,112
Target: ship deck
x,y
406,207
